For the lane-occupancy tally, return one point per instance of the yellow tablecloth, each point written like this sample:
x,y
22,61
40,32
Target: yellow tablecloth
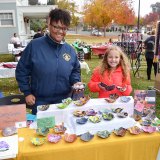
x,y
131,147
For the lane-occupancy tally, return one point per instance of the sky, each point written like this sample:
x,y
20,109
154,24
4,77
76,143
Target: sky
x,y
144,5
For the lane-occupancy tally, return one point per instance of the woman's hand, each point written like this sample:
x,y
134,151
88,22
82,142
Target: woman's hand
x,y
30,100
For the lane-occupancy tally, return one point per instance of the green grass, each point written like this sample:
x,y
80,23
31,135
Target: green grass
x,y
9,85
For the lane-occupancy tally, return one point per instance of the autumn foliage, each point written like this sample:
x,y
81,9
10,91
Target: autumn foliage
x,y
100,13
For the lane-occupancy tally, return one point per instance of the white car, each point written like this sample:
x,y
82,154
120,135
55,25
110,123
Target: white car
x,y
96,33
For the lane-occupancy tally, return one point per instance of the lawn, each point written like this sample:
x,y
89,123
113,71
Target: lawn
x,y
9,85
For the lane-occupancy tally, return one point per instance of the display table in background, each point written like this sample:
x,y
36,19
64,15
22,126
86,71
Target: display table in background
x,y
7,72
99,50
130,147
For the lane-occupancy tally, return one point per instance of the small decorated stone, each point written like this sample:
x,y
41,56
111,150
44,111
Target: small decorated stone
x,y
37,141
107,116
8,131
125,99
70,137
135,130
120,132
60,128
54,138
43,107
4,146
82,120
86,137
94,119
42,131
103,134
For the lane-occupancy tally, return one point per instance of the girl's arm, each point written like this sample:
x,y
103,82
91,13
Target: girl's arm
x,y
93,84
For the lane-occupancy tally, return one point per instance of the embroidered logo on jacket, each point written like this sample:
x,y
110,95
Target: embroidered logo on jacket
x,y
66,57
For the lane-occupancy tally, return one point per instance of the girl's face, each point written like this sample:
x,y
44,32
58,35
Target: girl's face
x,y
113,59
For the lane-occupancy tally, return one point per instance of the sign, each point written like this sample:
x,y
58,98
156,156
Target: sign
x,y
13,115
144,103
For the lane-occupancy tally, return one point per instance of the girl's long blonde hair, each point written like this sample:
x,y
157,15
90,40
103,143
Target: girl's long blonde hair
x,y
124,62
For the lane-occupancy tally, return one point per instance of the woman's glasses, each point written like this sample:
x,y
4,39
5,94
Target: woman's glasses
x,y
58,28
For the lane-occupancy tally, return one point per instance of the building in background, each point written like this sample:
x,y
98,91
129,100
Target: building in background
x,y
15,17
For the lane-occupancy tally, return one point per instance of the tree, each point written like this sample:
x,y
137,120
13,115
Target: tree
x,y
105,11
72,8
151,18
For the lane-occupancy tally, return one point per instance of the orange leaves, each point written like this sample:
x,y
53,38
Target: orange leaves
x,y
101,12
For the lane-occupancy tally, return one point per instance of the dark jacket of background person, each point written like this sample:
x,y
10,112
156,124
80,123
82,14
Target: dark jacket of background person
x,y
53,68
38,34
149,45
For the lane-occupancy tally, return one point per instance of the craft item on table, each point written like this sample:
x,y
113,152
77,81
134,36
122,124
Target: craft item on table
x,y
54,138
65,103
4,146
122,114
8,131
78,113
107,87
78,91
91,112
94,119
117,110
30,119
70,137
86,137
137,117
38,141
135,130
82,101
60,128
150,116
149,129
156,122
107,116
103,134
46,122
125,99
43,107
82,120
146,123
112,98
120,132
42,131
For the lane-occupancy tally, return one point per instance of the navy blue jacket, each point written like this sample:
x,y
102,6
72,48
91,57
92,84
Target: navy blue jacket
x,y
47,70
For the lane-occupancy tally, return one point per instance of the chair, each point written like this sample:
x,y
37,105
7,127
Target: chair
x,y
10,48
12,99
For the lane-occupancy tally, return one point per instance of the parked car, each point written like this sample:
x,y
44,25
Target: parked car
x,y
96,33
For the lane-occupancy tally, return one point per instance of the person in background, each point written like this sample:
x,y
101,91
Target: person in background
x,y
112,76
38,34
110,42
49,67
15,40
149,44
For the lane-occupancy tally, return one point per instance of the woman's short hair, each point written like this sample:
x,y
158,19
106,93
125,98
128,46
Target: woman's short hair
x,y
60,15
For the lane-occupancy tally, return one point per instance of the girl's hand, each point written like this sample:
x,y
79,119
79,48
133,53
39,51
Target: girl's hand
x,y
30,100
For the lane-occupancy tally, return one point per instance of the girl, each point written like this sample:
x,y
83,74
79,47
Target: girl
x,y
113,74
